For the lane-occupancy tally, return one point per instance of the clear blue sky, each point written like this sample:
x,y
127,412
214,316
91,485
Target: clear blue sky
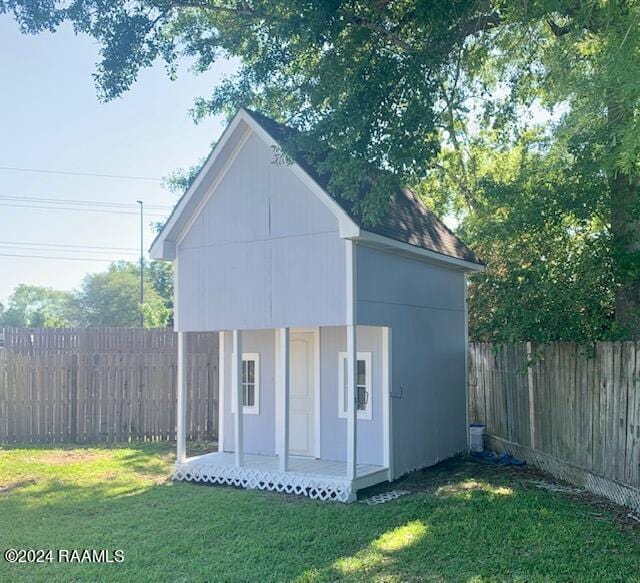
x,y
50,118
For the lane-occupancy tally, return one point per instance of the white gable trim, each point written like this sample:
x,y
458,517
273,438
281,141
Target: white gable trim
x,y
218,179
164,245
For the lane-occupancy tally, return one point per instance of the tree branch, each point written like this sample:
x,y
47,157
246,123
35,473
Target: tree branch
x,y
480,23
241,10
463,178
558,30
375,27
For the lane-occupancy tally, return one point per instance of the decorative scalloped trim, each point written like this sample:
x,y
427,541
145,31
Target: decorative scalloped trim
x,y
314,487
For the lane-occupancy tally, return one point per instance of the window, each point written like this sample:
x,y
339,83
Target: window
x,y
250,384
363,385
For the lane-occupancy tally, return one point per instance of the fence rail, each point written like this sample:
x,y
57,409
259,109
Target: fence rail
x,y
101,340
97,385
573,409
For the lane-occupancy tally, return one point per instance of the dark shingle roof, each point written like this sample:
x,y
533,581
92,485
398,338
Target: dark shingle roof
x,y
407,219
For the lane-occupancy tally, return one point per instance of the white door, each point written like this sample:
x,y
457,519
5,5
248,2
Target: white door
x,y
301,397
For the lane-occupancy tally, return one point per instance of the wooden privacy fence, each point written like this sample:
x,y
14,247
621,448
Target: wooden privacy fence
x,y
575,410
102,340
97,385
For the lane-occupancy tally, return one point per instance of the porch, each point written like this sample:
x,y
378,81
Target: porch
x,y
315,478
314,416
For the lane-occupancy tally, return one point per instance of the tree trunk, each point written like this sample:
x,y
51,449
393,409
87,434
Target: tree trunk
x,y
625,228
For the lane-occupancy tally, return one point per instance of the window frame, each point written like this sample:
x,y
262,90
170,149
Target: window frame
x,y
366,413
255,408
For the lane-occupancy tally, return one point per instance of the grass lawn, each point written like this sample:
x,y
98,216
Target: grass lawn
x,y
463,521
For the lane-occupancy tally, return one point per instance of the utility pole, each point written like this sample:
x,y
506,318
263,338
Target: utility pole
x,y
141,262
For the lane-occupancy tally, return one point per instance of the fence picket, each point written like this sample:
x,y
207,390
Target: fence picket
x,y
586,403
103,384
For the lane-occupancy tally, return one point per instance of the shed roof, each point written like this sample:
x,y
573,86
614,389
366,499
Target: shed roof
x,y
407,219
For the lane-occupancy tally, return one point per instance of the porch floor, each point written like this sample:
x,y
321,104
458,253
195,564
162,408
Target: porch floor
x,y
316,478
297,464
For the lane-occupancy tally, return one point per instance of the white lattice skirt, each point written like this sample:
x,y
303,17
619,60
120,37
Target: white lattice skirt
x,y
316,487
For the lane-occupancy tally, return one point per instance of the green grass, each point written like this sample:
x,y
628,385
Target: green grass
x,y
463,522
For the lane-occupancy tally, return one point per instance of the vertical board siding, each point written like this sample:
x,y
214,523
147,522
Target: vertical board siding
x,y
83,385
584,402
264,218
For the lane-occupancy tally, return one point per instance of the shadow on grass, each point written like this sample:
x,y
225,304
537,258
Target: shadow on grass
x,y
462,527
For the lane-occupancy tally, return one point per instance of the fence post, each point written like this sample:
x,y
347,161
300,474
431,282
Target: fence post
x,y
210,403
73,394
532,402
4,395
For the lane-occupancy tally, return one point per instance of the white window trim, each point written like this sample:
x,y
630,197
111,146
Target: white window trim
x,y
255,410
366,414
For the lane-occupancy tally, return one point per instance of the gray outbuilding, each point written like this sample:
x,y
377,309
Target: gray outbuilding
x,y
345,344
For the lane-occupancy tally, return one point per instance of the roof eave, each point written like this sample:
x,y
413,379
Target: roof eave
x,y
380,241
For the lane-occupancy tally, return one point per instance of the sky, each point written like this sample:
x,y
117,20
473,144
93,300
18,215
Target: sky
x,y
51,119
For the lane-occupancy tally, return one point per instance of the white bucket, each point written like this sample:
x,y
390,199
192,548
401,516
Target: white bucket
x,y
476,437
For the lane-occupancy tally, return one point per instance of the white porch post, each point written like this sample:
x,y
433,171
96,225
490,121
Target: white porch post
x,y
387,414
236,372
466,366
352,361
221,389
352,410
283,426
181,412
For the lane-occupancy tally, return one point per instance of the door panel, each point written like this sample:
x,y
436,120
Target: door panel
x,y
302,397
299,432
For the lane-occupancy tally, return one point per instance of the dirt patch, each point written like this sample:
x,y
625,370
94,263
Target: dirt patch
x,y
453,474
21,484
70,456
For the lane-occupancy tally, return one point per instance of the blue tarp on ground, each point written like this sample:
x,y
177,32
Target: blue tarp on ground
x,y
503,459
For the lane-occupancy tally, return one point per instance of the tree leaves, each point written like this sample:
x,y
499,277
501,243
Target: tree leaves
x,y
519,120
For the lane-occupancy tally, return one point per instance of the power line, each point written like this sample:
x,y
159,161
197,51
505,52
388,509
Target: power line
x,y
67,245
92,210
66,173
81,202
54,257
56,250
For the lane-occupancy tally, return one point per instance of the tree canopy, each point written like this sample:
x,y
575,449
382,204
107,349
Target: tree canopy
x,y
37,307
112,297
108,298
518,119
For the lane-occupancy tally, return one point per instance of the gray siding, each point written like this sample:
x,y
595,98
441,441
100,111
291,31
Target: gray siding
x,y
424,306
333,428
386,278
263,252
259,430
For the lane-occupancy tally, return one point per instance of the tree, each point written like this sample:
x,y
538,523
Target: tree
x,y
584,58
535,222
160,273
380,87
37,307
362,76
158,312
112,298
